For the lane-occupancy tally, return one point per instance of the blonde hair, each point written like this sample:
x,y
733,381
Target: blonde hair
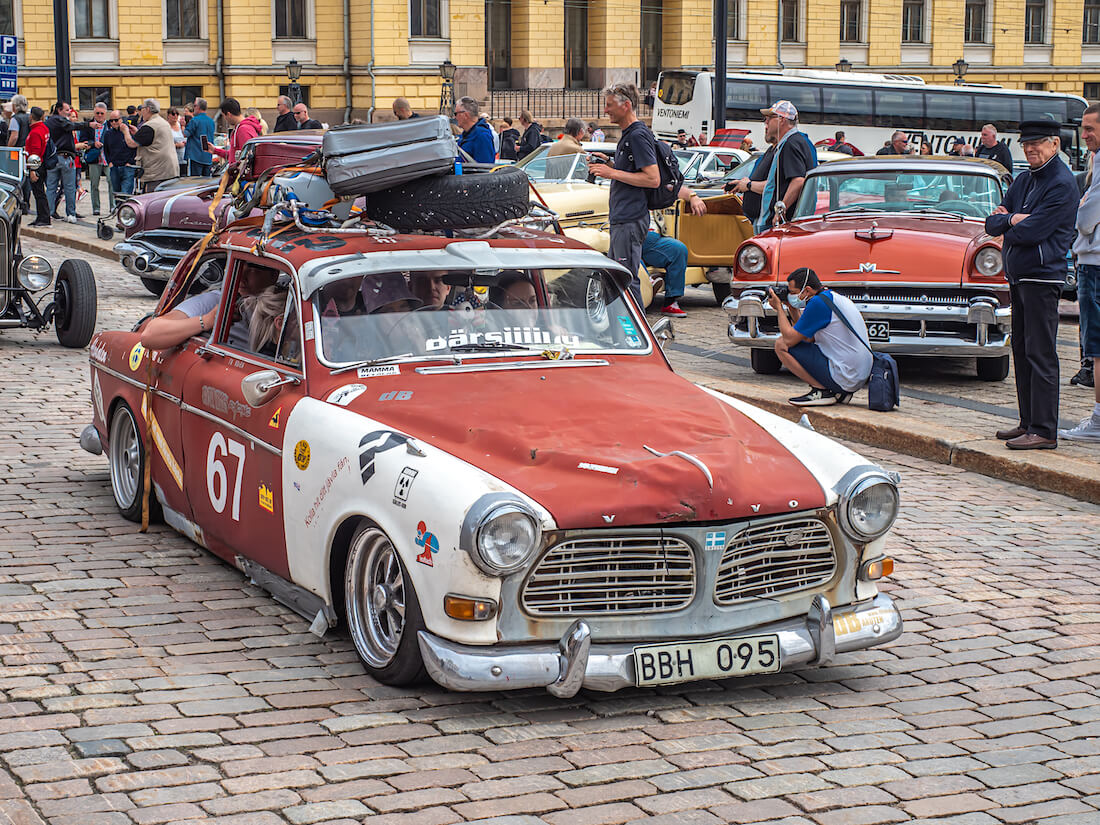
x,y
266,311
252,111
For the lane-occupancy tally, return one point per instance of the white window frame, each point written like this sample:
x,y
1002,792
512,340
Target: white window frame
x,y
204,34
1047,24
861,38
444,24
1084,42
987,26
739,35
112,25
311,24
925,25
800,23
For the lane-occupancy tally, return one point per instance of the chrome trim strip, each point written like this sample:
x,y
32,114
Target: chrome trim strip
x,y
126,379
513,365
223,423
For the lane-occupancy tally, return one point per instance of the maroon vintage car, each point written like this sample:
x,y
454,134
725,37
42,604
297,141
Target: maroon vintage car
x,y
161,226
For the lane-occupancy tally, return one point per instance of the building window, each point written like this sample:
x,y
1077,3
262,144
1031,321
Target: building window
x,y
652,39
425,18
92,18
182,19
1091,92
498,42
912,21
303,92
851,20
733,20
182,95
974,21
1035,87
791,20
86,95
7,17
576,44
290,19
1091,31
1035,22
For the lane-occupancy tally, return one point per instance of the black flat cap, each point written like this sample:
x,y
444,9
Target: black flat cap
x,y
1038,129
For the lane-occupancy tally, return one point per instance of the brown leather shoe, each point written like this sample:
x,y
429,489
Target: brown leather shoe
x,y
1015,432
1031,441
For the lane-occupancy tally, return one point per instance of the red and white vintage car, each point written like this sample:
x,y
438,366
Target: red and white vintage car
x,y
475,454
904,238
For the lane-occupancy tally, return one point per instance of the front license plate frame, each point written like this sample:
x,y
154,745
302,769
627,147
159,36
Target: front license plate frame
x,y
878,331
671,663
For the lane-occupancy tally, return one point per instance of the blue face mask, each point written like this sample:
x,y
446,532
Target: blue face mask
x,y
796,301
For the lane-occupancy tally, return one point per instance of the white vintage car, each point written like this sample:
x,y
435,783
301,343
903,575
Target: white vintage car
x,y
475,455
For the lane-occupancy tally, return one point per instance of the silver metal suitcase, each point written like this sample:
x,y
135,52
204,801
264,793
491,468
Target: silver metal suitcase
x,y
374,156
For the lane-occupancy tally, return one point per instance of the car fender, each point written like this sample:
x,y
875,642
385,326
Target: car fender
x,y
340,465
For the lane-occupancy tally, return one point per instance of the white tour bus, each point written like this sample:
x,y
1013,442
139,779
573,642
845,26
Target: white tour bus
x,y
867,107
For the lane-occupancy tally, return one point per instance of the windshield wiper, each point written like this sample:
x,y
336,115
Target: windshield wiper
x,y
486,346
392,359
854,208
931,210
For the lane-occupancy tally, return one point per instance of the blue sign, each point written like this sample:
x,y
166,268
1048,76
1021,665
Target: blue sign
x,y
9,66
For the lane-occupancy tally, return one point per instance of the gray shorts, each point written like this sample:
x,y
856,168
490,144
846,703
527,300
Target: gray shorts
x,y
626,248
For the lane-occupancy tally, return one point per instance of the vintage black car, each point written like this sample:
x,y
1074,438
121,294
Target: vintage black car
x,y
24,281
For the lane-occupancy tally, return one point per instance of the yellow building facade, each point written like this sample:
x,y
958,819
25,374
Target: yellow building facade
x,y
357,57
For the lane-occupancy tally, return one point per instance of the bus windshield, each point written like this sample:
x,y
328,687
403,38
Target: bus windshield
x,y
965,195
676,88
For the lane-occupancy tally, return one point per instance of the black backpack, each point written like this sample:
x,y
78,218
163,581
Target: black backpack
x,y
672,179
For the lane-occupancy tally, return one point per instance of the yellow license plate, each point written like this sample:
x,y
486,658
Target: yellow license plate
x,y
667,664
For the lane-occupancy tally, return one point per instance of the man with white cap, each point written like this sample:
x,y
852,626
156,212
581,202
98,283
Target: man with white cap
x,y
793,156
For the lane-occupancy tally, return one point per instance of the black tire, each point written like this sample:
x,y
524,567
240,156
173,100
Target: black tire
x,y
390,653
993,369
74,304
104,232
126,462
764,361
721,292
452,201
154,286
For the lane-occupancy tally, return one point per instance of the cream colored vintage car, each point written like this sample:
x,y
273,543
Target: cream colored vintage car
x,y
712,239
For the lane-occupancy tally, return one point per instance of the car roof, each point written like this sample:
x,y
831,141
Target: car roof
x,y
310,137
942,164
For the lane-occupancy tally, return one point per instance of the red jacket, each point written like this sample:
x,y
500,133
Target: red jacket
x,y
37,138
245,131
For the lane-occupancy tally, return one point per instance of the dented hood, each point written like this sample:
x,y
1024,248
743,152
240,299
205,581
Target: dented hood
x,y
575,440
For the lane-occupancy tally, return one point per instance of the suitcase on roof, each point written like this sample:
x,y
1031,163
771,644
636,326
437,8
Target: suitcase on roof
x,y
374,156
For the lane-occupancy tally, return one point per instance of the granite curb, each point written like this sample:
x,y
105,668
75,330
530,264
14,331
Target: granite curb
x,y
93,246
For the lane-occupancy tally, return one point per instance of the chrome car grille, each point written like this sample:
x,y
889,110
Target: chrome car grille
x,y
767,560
613,575
918,299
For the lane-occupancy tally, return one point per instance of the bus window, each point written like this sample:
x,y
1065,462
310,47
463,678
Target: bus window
x,y
898,109
1044,108
954,111
1076,110
744,100
845,106
1003,111
677,88
807,99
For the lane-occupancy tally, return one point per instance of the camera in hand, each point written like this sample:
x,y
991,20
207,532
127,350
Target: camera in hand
x,y
781,292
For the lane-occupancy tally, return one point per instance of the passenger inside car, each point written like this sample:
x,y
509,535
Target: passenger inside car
x,y
430,288
267,318
343,298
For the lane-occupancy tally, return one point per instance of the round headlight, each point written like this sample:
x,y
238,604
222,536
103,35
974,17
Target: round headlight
x,y
751,259
507,537
35,273
988,261
869,507
34,162
127,216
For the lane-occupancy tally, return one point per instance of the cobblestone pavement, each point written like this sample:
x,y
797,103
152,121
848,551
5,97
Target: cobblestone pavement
x,y
144,681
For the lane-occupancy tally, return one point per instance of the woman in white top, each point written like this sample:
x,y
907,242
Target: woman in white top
x,y
177,132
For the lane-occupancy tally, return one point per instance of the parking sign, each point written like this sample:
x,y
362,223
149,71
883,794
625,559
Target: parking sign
x,y
9,68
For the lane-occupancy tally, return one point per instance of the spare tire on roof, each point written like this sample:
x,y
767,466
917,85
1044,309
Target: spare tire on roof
x,y
452,201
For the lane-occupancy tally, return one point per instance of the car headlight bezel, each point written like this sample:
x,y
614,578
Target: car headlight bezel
x,y
856,495
988,262
756,264
35,273
516,513
127,216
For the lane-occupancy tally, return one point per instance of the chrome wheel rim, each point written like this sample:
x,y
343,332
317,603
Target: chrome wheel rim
x,y
125,460
374,590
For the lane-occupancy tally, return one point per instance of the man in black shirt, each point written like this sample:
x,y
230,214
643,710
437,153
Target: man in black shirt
x,y
302,120
285,121
898,145
990,147
65,134
634,171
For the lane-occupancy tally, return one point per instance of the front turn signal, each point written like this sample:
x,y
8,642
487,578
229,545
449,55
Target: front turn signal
x,y
466,609
876,569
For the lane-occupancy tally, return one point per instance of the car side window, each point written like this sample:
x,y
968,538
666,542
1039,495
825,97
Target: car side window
x,y
257,300
207,278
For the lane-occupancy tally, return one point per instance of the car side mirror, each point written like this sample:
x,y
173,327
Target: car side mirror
x,y
260,387
663,331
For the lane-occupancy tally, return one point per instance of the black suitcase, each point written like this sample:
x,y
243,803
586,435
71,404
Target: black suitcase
x,y
374,156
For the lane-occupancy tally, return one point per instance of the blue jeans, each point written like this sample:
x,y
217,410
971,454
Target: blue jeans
x,y
671,256
122,180
1088,304
62,176
813,360
197,169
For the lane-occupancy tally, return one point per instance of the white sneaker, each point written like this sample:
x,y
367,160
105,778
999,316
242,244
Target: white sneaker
x,y
1087,430
70,218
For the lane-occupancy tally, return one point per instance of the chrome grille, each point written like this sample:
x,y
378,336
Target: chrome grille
x,y
923,299
767,560
607,576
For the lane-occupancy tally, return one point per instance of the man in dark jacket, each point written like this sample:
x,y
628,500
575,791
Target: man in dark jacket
x,y
65,134
121,159
285,121
508,138
990,147
1037,220
476,139
532,135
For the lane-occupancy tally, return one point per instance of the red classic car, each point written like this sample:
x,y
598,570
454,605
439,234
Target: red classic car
x,y
902,237
161,226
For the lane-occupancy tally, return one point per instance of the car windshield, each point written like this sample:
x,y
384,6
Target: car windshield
x,y
743,169
686,159
390,315
540,166
958,193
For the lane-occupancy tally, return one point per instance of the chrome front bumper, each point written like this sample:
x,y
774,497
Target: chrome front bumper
x,y
576,662
89,440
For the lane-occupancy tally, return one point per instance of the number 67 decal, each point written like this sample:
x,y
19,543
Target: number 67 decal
x,y
215,472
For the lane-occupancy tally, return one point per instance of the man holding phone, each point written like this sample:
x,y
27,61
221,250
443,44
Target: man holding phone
x,y
119,157
199,133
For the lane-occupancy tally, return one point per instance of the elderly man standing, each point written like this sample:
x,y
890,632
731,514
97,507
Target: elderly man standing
x,y
155,146
899,145
285,121
990,147
477,135
1036,219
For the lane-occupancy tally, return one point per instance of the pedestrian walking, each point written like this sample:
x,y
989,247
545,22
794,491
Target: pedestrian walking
x,y
532,135
37,138
244,129
155,146
990,147
634,171
1037,219
780,173
1086,248
508,138
194,152
93,157
62,176
285,122
121,159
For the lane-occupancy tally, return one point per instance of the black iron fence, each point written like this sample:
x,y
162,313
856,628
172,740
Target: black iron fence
x,y
546,103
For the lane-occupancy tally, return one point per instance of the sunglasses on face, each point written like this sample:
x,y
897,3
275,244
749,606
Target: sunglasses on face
x,y
113,120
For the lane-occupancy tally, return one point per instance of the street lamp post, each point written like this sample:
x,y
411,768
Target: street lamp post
x,y
447,92
845,65
61,48
294,91
960,66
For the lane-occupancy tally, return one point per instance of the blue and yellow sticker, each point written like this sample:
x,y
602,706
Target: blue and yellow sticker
x,y
136,354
